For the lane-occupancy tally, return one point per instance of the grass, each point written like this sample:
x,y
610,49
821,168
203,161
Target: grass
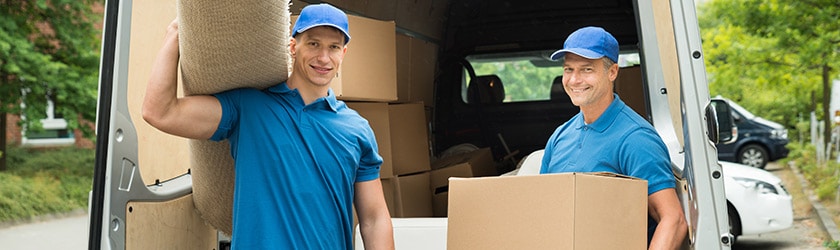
x,y
823,178
44,181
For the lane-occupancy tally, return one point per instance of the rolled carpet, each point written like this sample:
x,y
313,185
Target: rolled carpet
x,y
226,45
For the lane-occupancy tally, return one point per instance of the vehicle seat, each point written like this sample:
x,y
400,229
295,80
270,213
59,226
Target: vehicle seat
x,y
531,164
486,89
558,93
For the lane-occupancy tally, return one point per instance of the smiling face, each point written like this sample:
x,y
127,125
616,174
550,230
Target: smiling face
x,y
589,82
317,53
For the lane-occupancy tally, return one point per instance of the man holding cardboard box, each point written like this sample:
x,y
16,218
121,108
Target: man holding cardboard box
x,y
608,136
302,158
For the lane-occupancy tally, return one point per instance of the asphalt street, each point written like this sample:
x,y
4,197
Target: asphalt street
x,y
67,232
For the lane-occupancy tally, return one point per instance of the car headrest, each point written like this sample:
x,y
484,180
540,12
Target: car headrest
x,y
557,91
486,89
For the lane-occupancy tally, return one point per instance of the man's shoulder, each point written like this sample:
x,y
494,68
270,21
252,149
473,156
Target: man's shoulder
x,y
629,116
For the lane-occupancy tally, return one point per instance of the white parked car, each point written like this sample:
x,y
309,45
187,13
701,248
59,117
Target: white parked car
x,y
756,199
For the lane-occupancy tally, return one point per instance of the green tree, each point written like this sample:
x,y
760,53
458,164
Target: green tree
x,y
48,49
772,55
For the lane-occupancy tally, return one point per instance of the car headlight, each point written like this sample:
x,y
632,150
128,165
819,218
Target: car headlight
x,y
760,186
779,134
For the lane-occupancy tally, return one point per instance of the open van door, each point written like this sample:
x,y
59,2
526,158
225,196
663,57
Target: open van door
x,y
677,77
142,183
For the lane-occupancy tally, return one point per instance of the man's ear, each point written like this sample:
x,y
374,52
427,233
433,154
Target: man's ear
x,y
613,72
292,45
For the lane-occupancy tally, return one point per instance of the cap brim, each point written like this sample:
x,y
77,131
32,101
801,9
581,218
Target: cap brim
x,y
588,54
304,29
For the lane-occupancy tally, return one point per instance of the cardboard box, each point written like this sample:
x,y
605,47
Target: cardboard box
x,y
480,160
409,138
377,115
629,87
423,17
389,194
440,203
368,71
555,211
412,197
416,66
440,177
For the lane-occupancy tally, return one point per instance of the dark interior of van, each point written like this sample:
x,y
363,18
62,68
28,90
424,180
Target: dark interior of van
x,y
473,107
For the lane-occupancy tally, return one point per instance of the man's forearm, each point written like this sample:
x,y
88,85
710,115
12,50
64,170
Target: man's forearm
x,y
378,235
669,234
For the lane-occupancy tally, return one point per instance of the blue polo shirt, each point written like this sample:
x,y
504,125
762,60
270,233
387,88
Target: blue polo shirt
x,y
296,166
619,141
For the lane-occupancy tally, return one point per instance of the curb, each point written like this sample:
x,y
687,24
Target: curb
x,y
41,218
825,218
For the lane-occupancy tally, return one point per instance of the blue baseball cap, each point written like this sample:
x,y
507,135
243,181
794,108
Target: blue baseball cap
x,y
591,43
322,15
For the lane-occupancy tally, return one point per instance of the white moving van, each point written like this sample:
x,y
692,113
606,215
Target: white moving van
x,y
141,197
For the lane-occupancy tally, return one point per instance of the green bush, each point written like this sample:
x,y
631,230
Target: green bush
x,y
823,178
44,181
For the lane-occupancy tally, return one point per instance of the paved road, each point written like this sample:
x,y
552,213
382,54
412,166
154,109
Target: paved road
x,y
807,232
62,233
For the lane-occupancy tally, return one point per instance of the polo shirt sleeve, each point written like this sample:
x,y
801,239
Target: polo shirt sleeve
x,y
370,161
230,114
549,150
645,156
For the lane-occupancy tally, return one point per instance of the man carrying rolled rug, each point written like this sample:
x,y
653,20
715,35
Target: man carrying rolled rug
x,y
303,159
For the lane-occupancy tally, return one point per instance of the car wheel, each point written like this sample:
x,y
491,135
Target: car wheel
x,y
753,155
734,222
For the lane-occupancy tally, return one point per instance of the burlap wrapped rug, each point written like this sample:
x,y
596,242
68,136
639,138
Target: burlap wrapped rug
x,y
226,45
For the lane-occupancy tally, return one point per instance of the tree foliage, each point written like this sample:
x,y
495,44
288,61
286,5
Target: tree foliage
x,y
49,49
769,55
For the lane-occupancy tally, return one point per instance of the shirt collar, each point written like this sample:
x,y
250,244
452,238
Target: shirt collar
x,y
608,117
328,102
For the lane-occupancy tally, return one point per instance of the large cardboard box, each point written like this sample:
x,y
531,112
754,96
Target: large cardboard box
x,y
423,17
629,86
409,138
416,65
368,71
555,211
389,194
412,197
377,115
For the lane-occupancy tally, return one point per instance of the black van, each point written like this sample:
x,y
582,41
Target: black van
x,y
759,140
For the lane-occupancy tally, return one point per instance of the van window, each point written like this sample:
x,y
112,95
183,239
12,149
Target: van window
x,y
741,111
522,76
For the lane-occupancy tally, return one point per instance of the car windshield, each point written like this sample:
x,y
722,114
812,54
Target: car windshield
x,y
741,110
527,76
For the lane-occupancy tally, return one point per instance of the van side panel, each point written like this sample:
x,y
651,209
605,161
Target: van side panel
x,y
170,224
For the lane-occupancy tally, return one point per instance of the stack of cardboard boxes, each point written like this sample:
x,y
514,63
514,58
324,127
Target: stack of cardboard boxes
x,y
388,77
